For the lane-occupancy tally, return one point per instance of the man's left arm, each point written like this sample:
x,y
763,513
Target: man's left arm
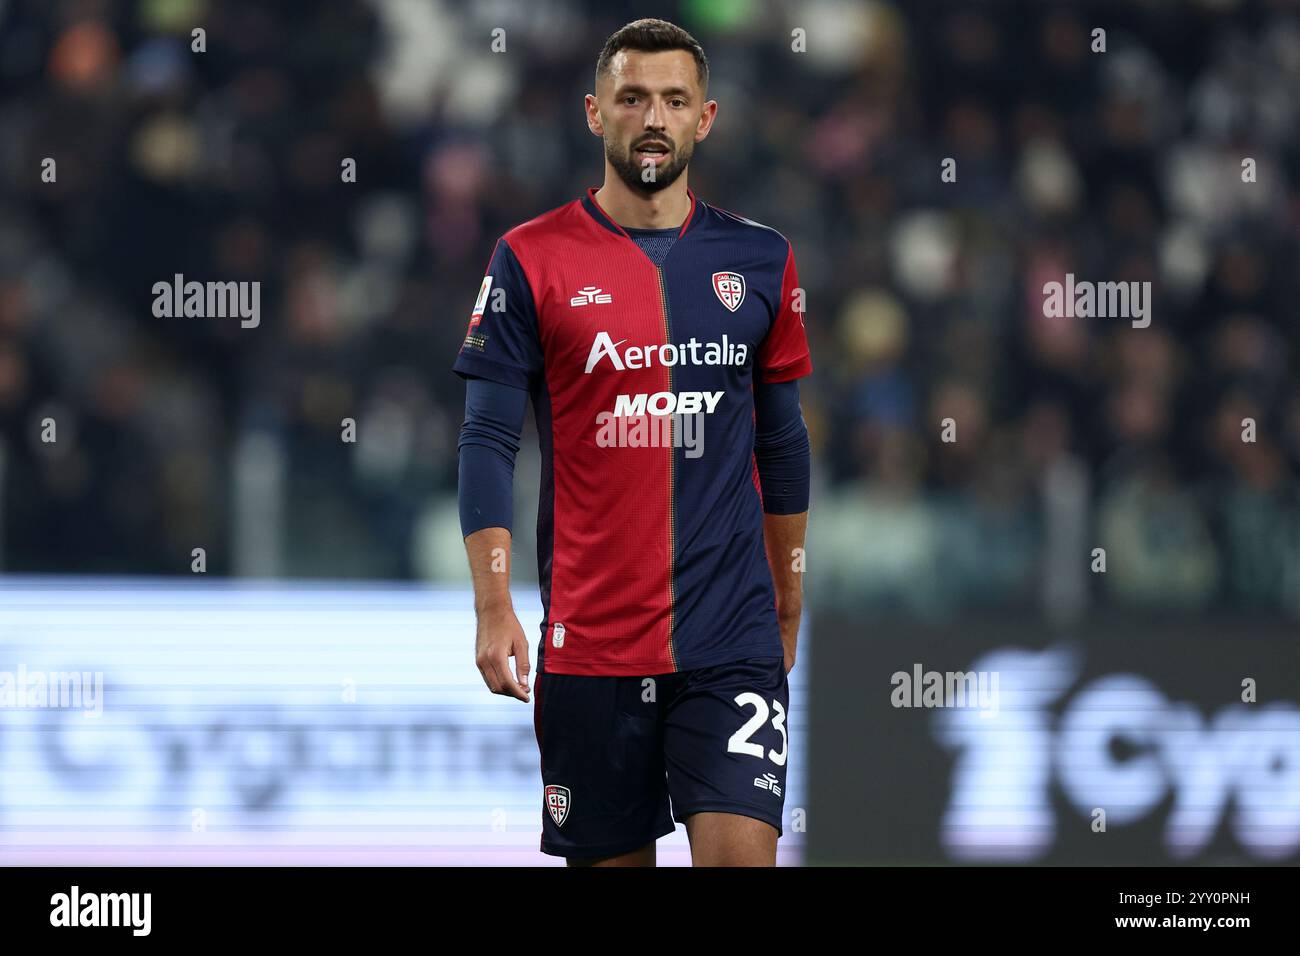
x,y
782,454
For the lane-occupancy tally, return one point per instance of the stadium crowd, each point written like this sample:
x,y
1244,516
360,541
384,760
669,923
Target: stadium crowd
x,y
925,296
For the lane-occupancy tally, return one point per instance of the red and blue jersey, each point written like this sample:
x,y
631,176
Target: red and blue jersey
x,y
650,543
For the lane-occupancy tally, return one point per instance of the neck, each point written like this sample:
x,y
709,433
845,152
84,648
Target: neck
x,y
665,209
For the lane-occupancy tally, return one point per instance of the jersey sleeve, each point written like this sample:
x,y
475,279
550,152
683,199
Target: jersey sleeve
x,y
489,442
784,353
502,343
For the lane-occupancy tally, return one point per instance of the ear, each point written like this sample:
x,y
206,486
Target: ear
x,y
707,116
592,108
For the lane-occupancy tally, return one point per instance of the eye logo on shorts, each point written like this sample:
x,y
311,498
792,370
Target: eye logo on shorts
x,y
557,803
730,288
769,782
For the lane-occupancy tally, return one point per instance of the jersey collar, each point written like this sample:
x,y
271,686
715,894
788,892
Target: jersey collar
x,y
593,209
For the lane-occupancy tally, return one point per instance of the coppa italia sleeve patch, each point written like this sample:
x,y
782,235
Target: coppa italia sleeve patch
x,y
475,338
481,301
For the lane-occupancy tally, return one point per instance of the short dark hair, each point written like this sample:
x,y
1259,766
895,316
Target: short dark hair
x,y
651,36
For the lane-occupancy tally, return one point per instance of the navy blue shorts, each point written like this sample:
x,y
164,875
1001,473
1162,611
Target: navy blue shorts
x,y
616,750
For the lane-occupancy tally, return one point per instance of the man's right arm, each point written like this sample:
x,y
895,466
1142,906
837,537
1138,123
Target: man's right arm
x,y
489,441
500,359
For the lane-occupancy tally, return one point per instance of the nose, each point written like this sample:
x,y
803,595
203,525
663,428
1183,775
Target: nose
x,y
654,117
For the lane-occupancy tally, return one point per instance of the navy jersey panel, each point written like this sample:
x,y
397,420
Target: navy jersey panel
x,y
724,598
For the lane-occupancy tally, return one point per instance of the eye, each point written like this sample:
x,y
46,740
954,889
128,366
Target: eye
x,y
629,100
679,102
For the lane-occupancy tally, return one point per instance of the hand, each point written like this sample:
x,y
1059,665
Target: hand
x,y
500,638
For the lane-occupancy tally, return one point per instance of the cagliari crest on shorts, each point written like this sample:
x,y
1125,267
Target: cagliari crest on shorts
x,y
557,803
730,287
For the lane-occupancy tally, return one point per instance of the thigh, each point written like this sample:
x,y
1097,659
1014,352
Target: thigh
x,y
603,787
644,856
726,741
730,839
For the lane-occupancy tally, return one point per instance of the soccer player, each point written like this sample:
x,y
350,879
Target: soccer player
x,y
660,340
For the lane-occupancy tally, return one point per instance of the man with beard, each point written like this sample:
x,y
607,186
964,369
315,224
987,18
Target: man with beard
x,y
670,584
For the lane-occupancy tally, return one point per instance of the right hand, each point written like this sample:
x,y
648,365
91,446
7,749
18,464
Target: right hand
x,y
500,638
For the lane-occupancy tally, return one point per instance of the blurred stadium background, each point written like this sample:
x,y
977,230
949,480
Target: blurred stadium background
x,y
1120,690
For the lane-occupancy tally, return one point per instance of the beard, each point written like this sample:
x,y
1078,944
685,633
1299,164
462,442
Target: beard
x,y
665,174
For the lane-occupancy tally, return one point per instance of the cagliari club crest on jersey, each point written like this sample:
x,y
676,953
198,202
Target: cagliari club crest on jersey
x,y
557,803
730,287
